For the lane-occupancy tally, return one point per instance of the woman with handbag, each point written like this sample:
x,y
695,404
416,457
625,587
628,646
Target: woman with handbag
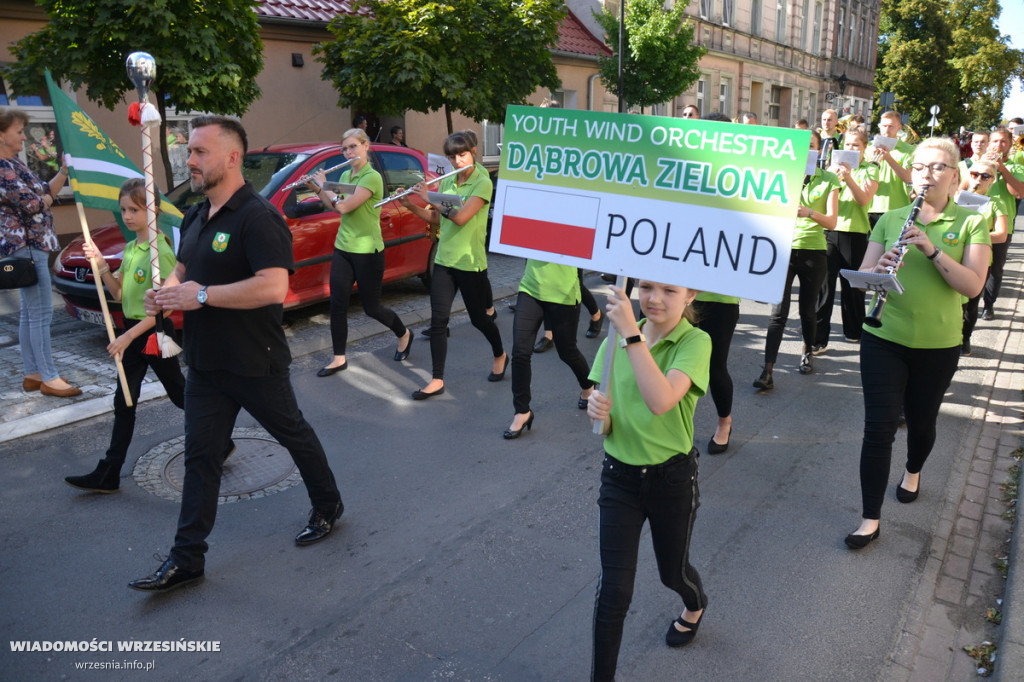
x,y
26,231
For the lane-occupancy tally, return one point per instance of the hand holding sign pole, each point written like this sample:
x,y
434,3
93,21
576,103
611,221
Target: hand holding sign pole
x,y
141,69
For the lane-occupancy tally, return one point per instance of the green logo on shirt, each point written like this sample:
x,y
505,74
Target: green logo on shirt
x,y
951,239
140,275
220,242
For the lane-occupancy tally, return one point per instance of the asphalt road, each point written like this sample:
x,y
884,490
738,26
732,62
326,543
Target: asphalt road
x,y
462,556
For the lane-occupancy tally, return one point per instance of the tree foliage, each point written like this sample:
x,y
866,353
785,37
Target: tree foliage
x,y
660,60
472,56
949,53
208,54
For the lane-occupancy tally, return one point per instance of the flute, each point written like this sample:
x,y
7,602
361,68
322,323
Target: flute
x,y
874,318
411,190
306,178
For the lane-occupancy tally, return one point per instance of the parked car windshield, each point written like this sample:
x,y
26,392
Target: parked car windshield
x,y
265,170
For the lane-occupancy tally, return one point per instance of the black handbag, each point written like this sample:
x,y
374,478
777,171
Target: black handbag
x,y
16,273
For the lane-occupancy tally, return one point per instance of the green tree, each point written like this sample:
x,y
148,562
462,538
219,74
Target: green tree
x,y
984,61
208,54
660,60
472,56
945,52
914,44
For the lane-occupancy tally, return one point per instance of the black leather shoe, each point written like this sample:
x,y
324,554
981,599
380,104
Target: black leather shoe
x,y
447,332
403,354
987,314
860,541
594,330
105,478
765,381
676,638
543,345
907,496
718,448
498,376
328,371
320,525
512,434
165,578
423,395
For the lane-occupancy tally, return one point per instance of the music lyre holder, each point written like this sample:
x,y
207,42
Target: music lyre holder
x,y
877,282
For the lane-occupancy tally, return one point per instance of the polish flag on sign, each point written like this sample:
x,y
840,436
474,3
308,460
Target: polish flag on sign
x,y
550,221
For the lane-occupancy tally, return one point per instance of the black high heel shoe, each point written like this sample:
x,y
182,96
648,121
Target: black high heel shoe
x,y
594,330
498,376
512,434
677,638
403,354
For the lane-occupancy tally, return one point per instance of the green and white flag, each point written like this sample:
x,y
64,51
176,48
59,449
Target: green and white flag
x,y
701,204
97,165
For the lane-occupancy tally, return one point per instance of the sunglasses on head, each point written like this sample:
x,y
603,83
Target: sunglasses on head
x,y
981,176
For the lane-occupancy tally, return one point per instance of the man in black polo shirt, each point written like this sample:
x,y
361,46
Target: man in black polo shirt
x,y
231,279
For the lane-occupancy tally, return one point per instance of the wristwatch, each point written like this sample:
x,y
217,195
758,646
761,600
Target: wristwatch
x,y
201,296
630,340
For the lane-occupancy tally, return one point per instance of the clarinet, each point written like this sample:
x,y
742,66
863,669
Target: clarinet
x,y
874,318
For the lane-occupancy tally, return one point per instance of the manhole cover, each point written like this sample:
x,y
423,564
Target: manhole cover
x,y
259,467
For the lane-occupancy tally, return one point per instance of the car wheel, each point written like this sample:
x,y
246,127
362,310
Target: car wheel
x,y
428,272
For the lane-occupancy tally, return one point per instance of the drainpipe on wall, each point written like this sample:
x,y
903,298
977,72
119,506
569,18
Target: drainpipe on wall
x,y
590,91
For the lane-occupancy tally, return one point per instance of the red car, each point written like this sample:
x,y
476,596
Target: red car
x,y
408,247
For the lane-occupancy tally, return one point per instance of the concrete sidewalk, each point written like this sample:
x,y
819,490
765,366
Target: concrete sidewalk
x,y
959,577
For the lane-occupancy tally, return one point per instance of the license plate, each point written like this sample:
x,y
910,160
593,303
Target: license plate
x,y
91,316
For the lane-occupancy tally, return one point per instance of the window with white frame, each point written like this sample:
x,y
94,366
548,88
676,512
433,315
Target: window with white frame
x,y
805,24
566,99
728,11
812,107
707,9
725,96
701,85
491,134
860,43
853,36
775,103
755,17
780,21
838,49
816,36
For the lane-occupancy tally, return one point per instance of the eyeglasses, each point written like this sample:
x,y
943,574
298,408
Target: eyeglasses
x,y
981,176
937,167
351,148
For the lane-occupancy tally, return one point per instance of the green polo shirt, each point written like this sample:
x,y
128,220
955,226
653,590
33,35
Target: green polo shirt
x,y
135,274
638,436
551,282
1000,190
712,297
359,231
852,216
463,247
928,313
892,191
809,234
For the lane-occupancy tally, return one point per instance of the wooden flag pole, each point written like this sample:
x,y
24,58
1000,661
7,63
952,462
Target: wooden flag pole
x,y
103,305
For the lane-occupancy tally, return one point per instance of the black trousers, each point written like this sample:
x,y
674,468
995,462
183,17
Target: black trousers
x,y
971,316
896,377
845,251
563,321
135,363
668,497
476,293
809,267
995,273
719,320
366,270
212,402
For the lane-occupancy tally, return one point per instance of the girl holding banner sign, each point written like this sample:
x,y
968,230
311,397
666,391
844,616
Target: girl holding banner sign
x,y
650,464
817,213
908,362
461,261
846,244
